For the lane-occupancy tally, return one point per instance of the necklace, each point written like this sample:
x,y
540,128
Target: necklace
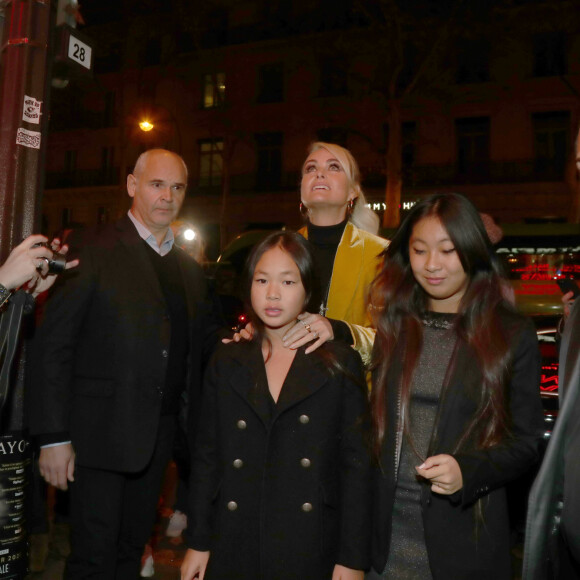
x,y
439,320
323,305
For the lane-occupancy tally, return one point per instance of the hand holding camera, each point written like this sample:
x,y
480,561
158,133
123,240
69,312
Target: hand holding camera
x,y
35,264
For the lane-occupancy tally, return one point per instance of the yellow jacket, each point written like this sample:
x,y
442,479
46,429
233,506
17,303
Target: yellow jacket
x,y
355,266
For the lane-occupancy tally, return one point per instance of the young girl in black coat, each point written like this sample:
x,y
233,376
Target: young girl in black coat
x,y
455,403
280,479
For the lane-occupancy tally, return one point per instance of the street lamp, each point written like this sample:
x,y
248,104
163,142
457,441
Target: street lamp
x,y
158,120
146,126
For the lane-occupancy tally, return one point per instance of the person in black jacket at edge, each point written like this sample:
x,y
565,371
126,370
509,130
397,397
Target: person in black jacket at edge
x,y
552,547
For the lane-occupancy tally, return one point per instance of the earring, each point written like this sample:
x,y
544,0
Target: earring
x,y
350,206
303,209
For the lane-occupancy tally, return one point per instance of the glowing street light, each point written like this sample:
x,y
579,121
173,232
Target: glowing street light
x,y
189,234
146,126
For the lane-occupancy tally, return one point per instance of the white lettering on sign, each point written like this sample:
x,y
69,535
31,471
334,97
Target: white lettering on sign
x,y
10,446
28,138
79,52
31,110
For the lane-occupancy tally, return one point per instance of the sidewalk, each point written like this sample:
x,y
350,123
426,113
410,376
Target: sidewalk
x,y
167,552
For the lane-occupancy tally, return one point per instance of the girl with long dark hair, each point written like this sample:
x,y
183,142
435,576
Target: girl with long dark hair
x,y
456,412
281,475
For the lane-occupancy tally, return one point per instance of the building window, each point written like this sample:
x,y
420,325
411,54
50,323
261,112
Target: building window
x,y
333,78
70,161
550,54
214,90
269,157
551,138
472,62
472,147
210,162
271,83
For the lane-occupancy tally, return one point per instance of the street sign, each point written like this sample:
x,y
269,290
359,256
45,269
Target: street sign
x,y
73,53
79,51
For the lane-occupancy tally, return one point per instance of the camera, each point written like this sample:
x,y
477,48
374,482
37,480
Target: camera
x,y
57,263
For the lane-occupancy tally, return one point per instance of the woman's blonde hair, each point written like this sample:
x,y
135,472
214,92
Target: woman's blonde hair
x,y
362,216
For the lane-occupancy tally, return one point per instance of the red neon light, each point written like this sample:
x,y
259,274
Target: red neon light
x,y
549,379
530,290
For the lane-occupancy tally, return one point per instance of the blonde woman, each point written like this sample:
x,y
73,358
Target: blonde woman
x,y
342,232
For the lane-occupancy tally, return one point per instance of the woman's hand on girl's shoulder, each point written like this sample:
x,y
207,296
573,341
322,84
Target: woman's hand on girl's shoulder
x,y
443,472
310,327
344,573
194,563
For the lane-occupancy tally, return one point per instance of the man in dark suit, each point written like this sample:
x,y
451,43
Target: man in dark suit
x,y
552,549
122,341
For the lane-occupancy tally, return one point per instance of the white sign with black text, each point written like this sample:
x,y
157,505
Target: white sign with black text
x,y
79,52
31,110
28,138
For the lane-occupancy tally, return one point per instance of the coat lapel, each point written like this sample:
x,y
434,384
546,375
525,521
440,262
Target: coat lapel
x,y
346,272
250,379
460,382
306,375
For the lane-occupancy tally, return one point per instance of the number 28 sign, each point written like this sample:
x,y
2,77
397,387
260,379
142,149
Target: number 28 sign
x,y
79,52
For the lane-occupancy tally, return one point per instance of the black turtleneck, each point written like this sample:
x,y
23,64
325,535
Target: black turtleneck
x,y
324,241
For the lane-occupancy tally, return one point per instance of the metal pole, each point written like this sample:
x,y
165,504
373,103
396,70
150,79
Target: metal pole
x,y
23,130
23,117
1,21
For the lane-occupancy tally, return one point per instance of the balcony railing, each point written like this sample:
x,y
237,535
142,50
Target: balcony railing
x,y
528,170
532,170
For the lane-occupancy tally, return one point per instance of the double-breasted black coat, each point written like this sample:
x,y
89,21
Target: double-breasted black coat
x,y
287,498
459,547
100,356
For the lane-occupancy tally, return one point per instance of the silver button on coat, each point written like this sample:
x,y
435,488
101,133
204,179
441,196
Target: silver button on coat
x,y
233,506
